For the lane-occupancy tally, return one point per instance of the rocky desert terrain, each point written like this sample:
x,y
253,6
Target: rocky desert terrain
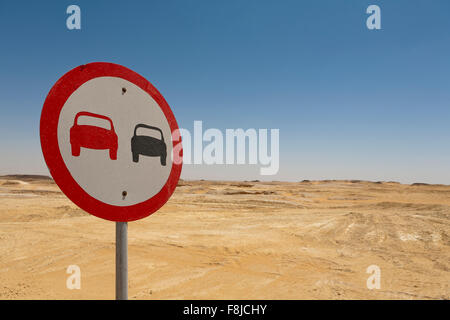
x,y
233,240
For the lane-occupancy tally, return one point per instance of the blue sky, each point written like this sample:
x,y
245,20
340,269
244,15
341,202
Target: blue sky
x,y
350,103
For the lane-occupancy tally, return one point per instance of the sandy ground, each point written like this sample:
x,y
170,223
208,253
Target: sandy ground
x,y
234,240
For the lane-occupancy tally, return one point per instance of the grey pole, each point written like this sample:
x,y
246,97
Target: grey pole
x,y
121,261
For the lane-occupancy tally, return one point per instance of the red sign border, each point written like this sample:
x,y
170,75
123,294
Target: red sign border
x,y
53,105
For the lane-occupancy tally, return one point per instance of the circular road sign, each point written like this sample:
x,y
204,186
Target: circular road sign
x,y
111,142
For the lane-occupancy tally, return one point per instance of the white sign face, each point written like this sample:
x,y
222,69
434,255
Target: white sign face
x,y
99,146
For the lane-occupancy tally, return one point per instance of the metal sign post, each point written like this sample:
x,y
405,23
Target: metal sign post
x,y
121,261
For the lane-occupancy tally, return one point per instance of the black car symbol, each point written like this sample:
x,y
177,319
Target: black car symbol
x,y
147,145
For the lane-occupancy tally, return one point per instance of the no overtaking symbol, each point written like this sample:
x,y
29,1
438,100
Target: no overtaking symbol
x,y
107,138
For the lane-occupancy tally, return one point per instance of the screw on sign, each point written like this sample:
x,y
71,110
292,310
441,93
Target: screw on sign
x,y
108,138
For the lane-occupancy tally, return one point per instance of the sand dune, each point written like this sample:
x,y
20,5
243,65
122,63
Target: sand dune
x,y
234,240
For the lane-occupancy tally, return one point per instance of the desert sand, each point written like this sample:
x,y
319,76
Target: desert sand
x,y
233,240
